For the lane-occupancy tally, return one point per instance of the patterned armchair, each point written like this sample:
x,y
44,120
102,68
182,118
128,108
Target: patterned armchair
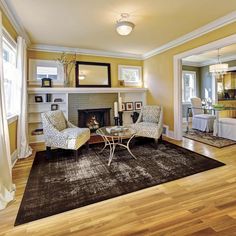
x,y
60,133
150,122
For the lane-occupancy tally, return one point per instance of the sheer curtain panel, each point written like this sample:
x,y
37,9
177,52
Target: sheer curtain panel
x,y
7,188
24,150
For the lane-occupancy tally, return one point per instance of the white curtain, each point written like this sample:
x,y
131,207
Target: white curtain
x,y
7,188
24,150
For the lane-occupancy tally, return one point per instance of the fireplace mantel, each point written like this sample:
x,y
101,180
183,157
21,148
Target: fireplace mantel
x,y
85,90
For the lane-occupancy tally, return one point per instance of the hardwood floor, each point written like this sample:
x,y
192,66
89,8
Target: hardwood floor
x,y
202,204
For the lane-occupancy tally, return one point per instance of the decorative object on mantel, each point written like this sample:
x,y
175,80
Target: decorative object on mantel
x,y
92,74
54,107
46,83
68,65
129,106
116,116
138,105
123,106
38,99
120,110
121,83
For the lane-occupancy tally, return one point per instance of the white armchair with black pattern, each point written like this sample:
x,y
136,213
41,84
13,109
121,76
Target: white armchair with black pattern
x,y
150,122
60,133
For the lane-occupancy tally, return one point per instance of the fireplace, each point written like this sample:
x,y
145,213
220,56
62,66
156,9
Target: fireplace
x,y
94,118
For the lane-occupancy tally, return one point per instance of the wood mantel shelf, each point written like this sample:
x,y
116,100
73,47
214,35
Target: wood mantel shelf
x,y
86,90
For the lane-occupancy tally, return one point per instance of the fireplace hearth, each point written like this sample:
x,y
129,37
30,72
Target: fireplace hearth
x,y
94,118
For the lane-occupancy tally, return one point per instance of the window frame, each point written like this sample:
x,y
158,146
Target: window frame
x,y
34,63
128,83
183,87
12,44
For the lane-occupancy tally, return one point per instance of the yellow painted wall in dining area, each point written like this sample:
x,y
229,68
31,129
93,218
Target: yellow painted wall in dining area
x,y
113,61
159,71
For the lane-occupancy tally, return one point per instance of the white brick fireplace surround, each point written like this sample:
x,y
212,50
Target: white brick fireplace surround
x,y
72,99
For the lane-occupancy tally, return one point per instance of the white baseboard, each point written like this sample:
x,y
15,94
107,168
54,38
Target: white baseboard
x,y
14,158
171,134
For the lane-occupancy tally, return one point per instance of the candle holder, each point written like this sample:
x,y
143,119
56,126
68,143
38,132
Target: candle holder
x,y
120,117
116,120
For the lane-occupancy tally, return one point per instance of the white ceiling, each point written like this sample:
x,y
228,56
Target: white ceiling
x,y
226,54
90,24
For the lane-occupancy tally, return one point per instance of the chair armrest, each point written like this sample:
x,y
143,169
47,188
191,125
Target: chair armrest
x,y
70,125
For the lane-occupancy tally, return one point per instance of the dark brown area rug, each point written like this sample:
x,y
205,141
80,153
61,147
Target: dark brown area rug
x,y
208,138
63,183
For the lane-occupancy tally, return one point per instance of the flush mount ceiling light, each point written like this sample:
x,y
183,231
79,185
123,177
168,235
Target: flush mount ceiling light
x,y
219,68
123,26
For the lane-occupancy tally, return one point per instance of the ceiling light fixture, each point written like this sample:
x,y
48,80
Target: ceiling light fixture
x,y
219,68
123,26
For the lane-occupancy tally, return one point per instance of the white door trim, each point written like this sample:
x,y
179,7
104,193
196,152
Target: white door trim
x,y
178,77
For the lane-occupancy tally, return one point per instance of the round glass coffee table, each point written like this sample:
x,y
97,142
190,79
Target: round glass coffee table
x,y
113,136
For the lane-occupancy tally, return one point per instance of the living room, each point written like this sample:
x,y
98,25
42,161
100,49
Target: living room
x,y
92,131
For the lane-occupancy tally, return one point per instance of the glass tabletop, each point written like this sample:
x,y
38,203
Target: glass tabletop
x,y
116,131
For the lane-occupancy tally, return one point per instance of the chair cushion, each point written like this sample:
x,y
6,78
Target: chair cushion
x,y
151,114
75,132
57,119
205,116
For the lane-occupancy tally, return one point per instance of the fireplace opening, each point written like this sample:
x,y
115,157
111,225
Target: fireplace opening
x,y
94,118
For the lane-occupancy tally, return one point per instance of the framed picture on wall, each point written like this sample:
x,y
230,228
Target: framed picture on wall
x,y
129,106
138,105
123,106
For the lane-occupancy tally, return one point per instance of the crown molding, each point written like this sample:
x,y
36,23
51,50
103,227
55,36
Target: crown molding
x,y
53,48
209,62
225,20
14,19
191,63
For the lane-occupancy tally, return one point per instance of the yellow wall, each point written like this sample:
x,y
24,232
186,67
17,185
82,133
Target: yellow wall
x,y
13,126
13,137
8,26
158,71
113,61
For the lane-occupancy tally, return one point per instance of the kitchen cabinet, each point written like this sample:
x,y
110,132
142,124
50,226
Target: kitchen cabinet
x,y
230,80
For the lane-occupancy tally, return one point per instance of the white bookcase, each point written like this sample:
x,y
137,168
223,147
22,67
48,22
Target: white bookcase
x,y
36,108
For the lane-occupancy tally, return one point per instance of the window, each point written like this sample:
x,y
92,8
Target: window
x,y
188,86
131,75
46,72
39,69
10,76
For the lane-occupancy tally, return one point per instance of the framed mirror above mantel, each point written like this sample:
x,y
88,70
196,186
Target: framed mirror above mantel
x,y
93,74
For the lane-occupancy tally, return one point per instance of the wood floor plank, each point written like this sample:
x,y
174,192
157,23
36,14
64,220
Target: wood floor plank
x,y
201,204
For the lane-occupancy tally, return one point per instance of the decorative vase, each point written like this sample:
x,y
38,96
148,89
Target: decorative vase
x,y
66,77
